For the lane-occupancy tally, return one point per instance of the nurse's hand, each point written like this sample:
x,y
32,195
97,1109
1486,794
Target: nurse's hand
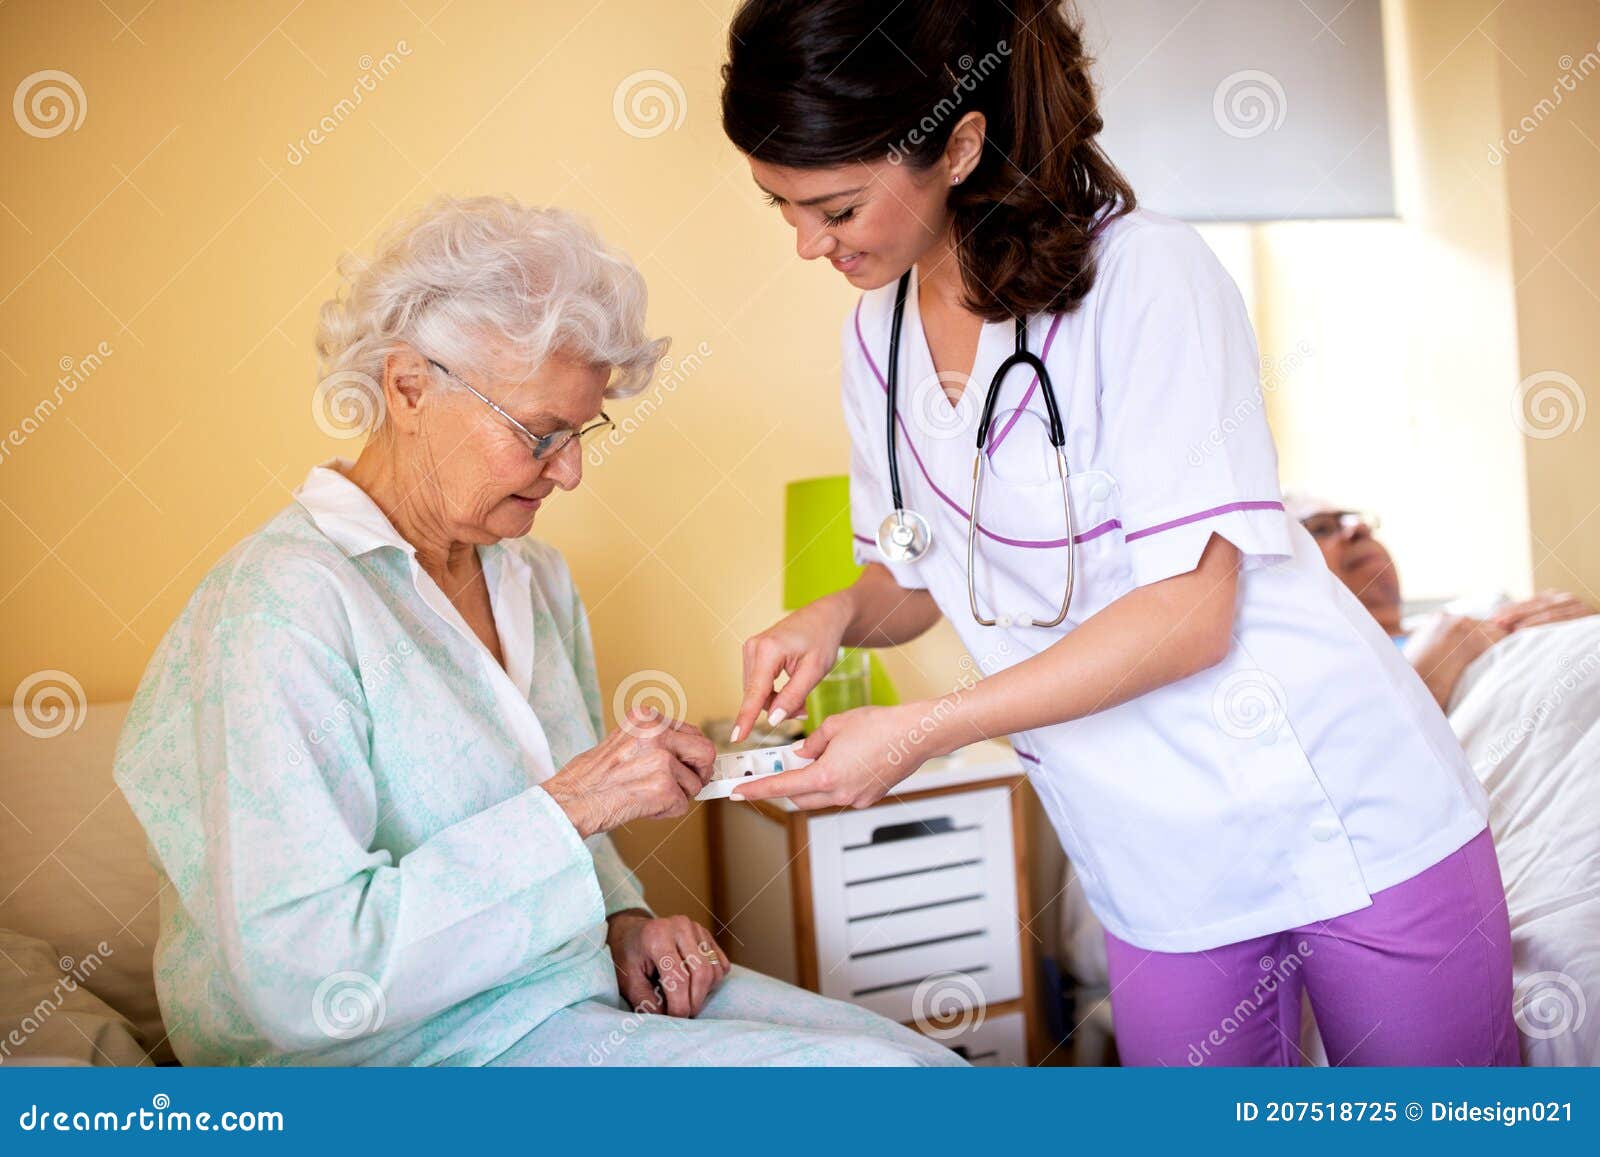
x,y
860,755
649,768
803,646
668,964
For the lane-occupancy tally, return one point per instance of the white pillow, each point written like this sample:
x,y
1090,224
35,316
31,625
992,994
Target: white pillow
x,y
49,1016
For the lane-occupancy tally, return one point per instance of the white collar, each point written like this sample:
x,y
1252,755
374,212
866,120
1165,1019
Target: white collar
x,y
349,518
345,513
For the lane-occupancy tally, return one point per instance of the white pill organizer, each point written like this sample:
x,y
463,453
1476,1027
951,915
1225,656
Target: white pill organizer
x,y
737,766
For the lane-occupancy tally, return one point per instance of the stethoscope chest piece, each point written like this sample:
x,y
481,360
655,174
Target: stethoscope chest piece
x,y
904,536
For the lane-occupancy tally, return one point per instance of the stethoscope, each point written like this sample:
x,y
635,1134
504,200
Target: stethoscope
x,y
905,536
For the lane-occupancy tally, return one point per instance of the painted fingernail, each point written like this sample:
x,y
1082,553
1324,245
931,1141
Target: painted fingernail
x,y
776,716
733,736
736,797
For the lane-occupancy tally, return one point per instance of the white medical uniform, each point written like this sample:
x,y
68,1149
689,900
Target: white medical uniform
x,y
1288,783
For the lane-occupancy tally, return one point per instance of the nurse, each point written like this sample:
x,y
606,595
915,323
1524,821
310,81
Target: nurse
x,y
1258,794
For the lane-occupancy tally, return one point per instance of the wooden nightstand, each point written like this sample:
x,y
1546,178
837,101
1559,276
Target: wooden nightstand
x,y
909,908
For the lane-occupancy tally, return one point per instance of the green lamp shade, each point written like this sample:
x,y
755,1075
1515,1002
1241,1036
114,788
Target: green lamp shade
x,y
819,557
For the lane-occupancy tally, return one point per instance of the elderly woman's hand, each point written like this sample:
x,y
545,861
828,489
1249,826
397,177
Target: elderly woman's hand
x,y
1443,649
649,768
1544,607
666,965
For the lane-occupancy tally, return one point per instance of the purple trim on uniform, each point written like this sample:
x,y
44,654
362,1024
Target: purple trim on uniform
x,y
948,501
1212,513
1108,524
864,538
1049,340
1033,759
1035,544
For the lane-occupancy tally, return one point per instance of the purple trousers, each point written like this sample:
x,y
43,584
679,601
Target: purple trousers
x,y
1422,976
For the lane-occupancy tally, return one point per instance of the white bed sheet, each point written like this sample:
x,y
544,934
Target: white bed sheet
x,y
1528,714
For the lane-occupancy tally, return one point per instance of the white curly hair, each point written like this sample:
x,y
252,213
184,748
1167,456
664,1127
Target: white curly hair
x,y
539,280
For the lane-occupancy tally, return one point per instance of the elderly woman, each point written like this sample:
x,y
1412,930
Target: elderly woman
x,y
1440,645
368,754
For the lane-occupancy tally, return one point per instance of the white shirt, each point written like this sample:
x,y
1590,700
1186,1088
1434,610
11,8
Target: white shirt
x,y
1288,783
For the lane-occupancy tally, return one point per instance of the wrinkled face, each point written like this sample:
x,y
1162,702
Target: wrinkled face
x,y
1357,557
477,472
873,221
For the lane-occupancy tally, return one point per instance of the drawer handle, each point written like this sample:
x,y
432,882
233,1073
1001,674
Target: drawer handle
x,y
877,988
973,1058
913,872
912,830
968,935
945,903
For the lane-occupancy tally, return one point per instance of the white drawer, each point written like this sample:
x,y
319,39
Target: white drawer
x,y
906,891
903,893
991,1041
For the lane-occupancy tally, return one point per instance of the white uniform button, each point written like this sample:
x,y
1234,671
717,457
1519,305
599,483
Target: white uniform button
x,y
1324,830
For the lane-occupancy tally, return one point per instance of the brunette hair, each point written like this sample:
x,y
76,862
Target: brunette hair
x,y
820,83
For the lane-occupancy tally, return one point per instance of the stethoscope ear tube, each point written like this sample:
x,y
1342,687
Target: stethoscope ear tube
x,y
891,385
904,536
1022,357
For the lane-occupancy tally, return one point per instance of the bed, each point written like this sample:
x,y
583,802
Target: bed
x,y
1528,714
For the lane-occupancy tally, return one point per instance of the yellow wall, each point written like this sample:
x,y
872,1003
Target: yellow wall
x,y
1396,339
175,226
188,230
1403,343
1549,87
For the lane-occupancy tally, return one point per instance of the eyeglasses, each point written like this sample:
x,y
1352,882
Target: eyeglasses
x,y
542,446
1331,522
